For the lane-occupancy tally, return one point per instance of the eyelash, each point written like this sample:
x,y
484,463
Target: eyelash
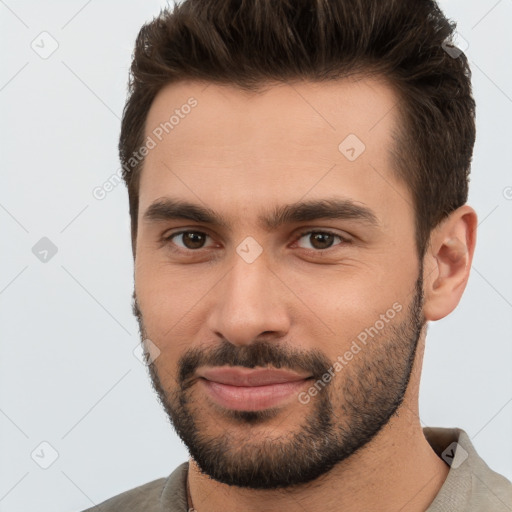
x,y
168,239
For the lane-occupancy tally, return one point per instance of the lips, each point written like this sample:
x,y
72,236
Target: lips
x,y
250,389
250,377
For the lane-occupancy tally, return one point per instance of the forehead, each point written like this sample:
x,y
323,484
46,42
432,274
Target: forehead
x,y
219,145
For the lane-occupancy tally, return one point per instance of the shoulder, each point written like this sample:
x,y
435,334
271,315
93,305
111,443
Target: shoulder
x,y
490,490
471,485
161,494
144,497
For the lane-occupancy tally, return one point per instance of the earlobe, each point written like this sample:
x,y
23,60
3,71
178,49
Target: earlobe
x,y
448,262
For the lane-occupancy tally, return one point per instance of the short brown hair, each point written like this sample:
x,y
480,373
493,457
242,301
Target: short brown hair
x,y
251,43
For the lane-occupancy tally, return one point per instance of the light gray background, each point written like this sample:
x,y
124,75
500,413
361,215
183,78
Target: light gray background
x,y
68,375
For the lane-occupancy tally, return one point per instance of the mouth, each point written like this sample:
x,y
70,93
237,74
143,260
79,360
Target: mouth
x,y
250,389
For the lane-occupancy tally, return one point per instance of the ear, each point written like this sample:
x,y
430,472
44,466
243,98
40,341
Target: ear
x,y
447,262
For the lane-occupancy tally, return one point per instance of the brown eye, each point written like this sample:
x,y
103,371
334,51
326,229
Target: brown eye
x,y
320,239
189,239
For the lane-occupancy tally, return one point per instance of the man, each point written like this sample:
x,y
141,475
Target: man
x,y
297,177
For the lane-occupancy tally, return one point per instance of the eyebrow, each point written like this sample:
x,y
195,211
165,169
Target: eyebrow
x,y
166,208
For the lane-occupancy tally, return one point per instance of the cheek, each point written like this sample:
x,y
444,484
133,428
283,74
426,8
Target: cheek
x,y
160,306
339,306
161,289
170,301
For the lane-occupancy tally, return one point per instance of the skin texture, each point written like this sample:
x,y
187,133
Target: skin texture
x,y
242,155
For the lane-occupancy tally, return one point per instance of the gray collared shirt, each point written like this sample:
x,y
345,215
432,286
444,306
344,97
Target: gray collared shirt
x,y
471,486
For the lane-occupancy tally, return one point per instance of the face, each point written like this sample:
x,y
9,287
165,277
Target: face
x,y
273,233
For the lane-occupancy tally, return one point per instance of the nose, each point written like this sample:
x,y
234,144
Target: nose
x,y
250,302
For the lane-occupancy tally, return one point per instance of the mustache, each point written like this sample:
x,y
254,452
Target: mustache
x,y
260,353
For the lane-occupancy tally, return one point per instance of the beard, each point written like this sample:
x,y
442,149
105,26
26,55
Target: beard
x,y
339,420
